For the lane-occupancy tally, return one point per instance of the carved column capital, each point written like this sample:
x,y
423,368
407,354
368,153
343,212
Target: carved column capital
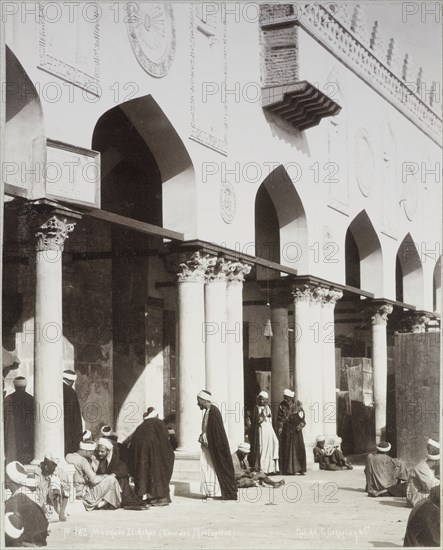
x,y
414,322
194,269
217,270
379,313
309,293
53,234
332,297
237,271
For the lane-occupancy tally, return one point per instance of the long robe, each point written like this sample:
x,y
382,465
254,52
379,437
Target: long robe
x,y
34,520
19,427
151,459
423,527
91,487
421,480
264,443
220,453
383,472
72,419
291,419
119,468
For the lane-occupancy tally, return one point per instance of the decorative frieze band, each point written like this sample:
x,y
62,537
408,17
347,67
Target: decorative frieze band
x,y
53,234
359,57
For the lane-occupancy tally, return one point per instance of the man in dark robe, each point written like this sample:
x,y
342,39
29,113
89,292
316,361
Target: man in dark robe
x,y
151,460
385,475
19,423
34,522
110,463
423,527
290,423
217,469
72,415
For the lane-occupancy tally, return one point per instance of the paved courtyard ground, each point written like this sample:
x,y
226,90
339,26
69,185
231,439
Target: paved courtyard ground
x,y
319,510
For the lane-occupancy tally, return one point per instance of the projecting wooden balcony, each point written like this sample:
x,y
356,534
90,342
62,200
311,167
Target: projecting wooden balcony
x,y
300,104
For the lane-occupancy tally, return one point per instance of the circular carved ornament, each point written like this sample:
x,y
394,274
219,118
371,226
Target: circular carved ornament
x,y
410,203
227,202
152,36
364,163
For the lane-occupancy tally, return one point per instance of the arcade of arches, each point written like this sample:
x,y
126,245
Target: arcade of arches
x,y
147,318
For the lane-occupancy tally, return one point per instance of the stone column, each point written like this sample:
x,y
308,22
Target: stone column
x,y
48,338
213,332
328,362
191,351
234,341
279,349
380,366
308,358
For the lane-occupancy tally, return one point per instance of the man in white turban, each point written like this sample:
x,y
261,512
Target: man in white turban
x,y
384,474
264,442
217,470
426,475
247,476
96,491
19,419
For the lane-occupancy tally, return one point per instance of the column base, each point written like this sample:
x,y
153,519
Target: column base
x,y
186,478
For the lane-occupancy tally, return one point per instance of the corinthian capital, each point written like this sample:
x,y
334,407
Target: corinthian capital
x,y
237,271
332,297
217,270
53,234
309,293
194,269
379,314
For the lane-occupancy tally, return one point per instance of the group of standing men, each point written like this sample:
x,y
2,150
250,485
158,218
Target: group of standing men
x,y
283,451
222,473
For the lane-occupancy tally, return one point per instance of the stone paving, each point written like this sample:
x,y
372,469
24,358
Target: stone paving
x,y
319,510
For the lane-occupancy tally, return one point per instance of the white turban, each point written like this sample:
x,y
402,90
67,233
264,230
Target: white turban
x,y
320,438
288,393
70,375
12,523
87,445
244,447
384,449
53,459
17,473
106,430
106,443
264,394
151,414
434,443
203,394
20,382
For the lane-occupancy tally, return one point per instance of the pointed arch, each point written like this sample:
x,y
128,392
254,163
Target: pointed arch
x,y
281,233
409,273
142,152
364,259
25,136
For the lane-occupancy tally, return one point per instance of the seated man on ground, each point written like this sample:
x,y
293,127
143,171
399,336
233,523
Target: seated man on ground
x,y
423,527
110,463
96,491
246,476
52,487
23,507
384,475
425,475
330,457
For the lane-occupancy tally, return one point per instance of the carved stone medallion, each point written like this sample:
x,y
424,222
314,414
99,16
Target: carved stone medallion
x,y
227,202
152,36
364,162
